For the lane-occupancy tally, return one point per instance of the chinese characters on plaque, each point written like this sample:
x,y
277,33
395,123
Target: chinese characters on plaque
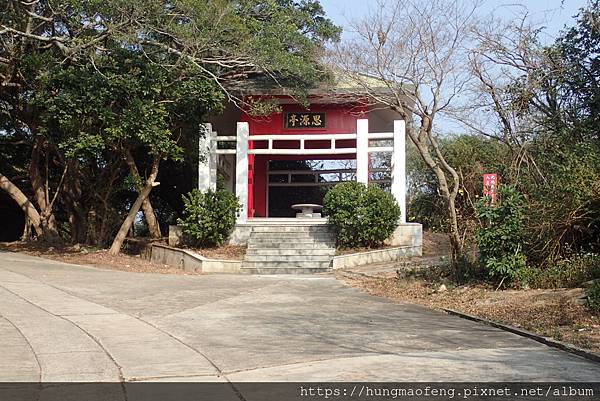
x,y
304,120
490,184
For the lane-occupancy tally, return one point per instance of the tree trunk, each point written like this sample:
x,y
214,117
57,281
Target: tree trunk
x,y
31,214
453,233
151,220
26,236
47,219
153,226
72,192
455,241
441,168
115,248
102,230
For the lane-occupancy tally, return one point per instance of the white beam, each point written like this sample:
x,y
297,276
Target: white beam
x,y
241,169
297,137
399,167
225,138
204,148
380,149
362,151
381,135
339,151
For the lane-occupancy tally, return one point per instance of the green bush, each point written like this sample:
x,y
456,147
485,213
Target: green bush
x,y
565,273
593,295
209,217
500,237
361,216
507,266
530,277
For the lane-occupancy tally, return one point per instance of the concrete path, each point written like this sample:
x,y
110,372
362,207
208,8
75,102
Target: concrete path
x,y
61,322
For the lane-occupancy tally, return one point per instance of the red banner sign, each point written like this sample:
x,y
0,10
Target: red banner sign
x,y
490,185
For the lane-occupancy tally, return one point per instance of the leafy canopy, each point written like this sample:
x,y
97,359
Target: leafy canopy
x,y
122,100
225,40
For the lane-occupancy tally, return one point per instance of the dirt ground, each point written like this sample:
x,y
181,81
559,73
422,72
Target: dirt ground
x,y
551,313
560,313
87,256
436,244
348,251
433,244
226,252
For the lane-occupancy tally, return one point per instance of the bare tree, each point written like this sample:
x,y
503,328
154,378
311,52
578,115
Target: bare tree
x,y
410,57
512,73
523,89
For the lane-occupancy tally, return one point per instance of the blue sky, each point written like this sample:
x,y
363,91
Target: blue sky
x,y
553,14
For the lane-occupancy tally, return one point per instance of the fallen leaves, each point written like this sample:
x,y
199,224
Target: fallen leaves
x,y
556,313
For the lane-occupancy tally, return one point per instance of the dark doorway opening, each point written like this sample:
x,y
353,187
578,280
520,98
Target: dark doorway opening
x,y
12,219
281,199
303,181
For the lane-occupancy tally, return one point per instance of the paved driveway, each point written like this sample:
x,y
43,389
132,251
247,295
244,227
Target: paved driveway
x,y
61,322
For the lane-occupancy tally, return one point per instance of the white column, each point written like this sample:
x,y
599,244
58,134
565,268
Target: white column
x,y
362,151
212,160
204,149
399,167
241,169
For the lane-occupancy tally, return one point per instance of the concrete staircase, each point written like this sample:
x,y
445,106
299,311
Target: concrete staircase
x,y
277,249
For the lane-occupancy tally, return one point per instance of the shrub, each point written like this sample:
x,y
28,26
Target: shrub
x,y
593,295
529,277
361,216
570,272
507,266
209,217
501,234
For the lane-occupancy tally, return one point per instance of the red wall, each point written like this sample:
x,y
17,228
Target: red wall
x,y
340,119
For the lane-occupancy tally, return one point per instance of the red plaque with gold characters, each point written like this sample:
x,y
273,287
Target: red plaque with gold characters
x,y
304,120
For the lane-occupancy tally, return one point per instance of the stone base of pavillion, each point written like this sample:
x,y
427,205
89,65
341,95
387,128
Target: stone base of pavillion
x,y
311,252
406,234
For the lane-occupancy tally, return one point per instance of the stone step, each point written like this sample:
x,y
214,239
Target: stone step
x,y
283,265
287,258
293,238
292,235
296,238
281,229
285,242
291,251
284,270
290,245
